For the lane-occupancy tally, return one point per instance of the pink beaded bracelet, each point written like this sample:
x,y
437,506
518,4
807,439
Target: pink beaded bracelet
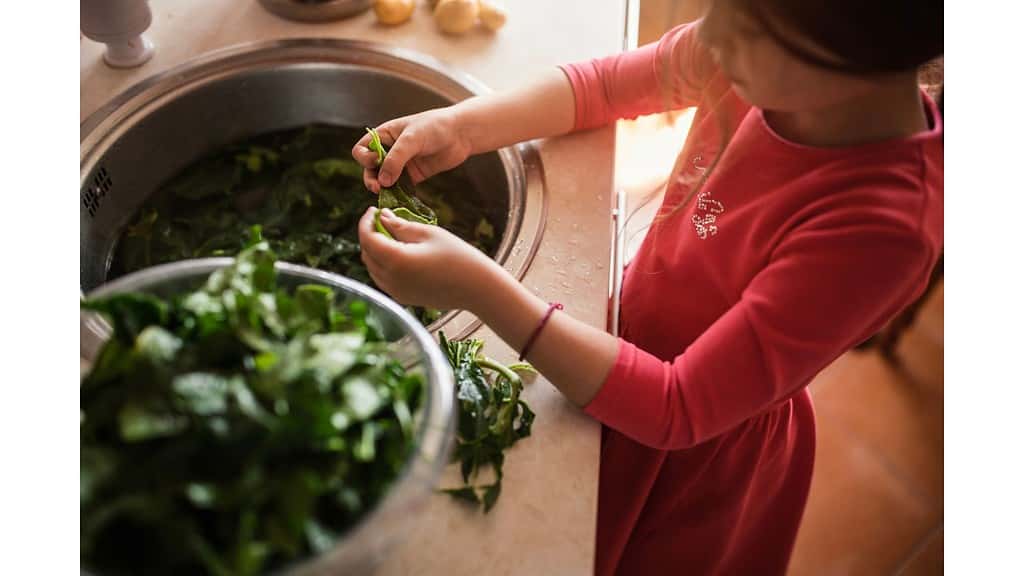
x,y
536,332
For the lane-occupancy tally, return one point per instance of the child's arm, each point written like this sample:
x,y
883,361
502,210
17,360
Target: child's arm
x,y
429,266
829,285
541,109
833,281
437,140
669,74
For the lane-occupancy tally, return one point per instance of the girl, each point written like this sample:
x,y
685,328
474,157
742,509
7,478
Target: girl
x,y
804,211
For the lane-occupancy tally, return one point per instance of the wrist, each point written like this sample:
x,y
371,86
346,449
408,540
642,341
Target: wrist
x,y
487,293
464,125
506,306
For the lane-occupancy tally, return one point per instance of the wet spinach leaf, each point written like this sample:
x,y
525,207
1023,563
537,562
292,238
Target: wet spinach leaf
x,y
492,417
402,202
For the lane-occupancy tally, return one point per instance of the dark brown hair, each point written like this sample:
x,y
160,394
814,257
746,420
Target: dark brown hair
x,y
866,36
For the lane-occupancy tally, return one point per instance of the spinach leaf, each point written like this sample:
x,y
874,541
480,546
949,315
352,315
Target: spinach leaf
x,y
492,417
131,313
403,203
217,176
237,428
327,168
255,157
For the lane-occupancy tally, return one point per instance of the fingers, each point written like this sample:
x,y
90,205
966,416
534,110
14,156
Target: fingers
x,y
385,251
362,154
365,157
382,256
362,146
406,231
410,150
401,153
419,169
368,240
372,263
392,130
370,181
389,133
414,171
423,167
377,272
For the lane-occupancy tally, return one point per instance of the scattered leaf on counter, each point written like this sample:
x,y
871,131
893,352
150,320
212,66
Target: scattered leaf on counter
x,y
492,417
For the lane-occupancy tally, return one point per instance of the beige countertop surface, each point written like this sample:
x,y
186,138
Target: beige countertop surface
x,y
545,520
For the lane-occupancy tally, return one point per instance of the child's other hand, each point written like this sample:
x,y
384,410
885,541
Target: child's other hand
x,y
422,144
424,265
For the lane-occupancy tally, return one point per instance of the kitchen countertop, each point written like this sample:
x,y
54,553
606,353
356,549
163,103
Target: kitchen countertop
x,y
545,520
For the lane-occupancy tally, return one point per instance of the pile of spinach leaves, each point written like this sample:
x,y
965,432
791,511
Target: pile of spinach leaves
x,y
236,428
304,191
492,416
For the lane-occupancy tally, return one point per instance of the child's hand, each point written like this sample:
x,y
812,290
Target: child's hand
x,y
424,265
423,144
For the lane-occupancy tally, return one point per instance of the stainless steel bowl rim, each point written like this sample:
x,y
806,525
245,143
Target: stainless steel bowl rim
x,y
195,67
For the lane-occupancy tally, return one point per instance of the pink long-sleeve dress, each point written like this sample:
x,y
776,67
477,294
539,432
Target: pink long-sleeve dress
x,y
787,257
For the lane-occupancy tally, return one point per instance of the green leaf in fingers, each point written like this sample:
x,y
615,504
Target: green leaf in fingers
x,y
376,145
401,202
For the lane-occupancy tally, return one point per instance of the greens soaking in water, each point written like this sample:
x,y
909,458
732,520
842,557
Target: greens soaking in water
x,y
304,192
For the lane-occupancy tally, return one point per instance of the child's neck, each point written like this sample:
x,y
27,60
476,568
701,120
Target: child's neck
x,y
892,109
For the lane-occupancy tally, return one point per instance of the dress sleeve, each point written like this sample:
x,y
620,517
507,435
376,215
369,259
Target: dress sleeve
x,y
664,75
832,281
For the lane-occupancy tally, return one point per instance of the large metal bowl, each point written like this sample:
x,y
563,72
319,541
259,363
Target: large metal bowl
x,y
133,144
363,547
